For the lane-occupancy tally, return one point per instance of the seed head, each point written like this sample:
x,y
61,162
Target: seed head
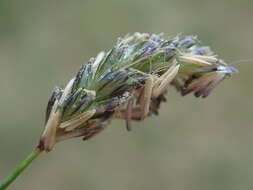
x,y
102,87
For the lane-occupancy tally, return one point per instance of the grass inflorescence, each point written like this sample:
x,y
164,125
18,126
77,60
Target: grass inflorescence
x,y
129,82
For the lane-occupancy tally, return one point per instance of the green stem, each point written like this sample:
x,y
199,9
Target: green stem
x,y
23,165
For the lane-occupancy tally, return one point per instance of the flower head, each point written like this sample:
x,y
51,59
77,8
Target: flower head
x,y
105,84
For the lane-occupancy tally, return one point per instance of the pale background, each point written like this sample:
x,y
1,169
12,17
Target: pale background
x,y
195,144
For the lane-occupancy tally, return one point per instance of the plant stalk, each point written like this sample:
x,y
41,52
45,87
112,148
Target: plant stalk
x,y
21,167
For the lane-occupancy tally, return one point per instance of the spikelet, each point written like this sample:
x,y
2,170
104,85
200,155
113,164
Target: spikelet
x,y
113,83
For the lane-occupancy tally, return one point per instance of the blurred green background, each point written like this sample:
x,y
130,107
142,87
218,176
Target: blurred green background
x,y
194,144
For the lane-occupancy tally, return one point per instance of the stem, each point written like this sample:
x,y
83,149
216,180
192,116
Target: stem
x,y
23,165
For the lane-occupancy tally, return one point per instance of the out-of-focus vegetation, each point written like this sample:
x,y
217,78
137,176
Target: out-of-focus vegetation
x,y
193,144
